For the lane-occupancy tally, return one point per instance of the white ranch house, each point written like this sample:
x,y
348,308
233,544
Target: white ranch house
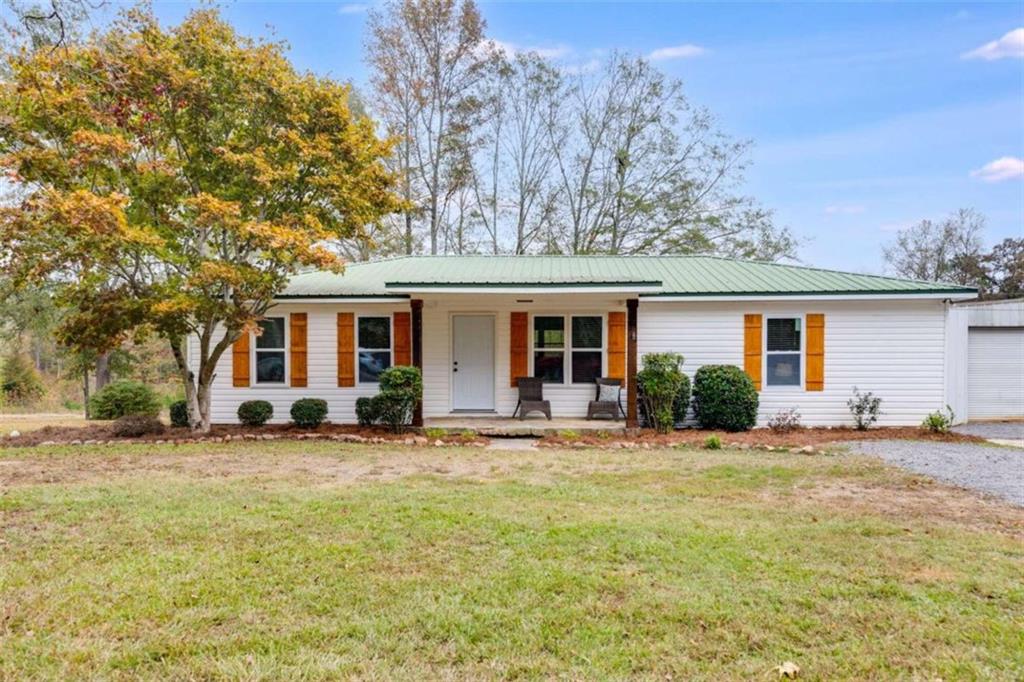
x,y
473,324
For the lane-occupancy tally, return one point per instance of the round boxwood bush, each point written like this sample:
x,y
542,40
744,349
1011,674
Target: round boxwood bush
x,y
123,398
309,413
179,413
366,411
257,412
724,397
135,425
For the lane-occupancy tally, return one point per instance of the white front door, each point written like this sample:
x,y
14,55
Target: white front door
x,y
472,362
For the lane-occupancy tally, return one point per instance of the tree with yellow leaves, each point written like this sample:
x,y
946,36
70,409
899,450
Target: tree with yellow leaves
x,y
170,181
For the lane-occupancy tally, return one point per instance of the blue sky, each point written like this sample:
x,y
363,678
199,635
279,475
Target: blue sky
x,y
865,117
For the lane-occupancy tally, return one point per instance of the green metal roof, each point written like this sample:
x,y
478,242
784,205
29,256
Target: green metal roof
x,y
695,276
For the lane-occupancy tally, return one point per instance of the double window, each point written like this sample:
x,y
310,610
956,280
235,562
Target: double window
x,y
568,347
783,351
270,351
373,347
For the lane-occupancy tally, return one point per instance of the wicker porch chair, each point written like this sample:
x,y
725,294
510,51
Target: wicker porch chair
x,y
531,398
612,408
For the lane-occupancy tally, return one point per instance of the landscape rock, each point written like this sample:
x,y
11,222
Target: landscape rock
x,y
15,433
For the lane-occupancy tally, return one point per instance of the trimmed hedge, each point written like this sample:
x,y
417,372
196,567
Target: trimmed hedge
x,y
122,398
258,412
724,397
135,425
179,413
309,413
366,415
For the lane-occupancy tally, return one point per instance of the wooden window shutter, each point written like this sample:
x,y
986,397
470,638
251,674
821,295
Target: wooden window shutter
x,y
519,347
346,349
297,340
240,361
752,348
617,345
402,339
814,373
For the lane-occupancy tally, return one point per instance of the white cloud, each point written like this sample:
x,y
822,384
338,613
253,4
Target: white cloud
x,y
1004,168
544,52
845,209
1011,45
677,52
353,8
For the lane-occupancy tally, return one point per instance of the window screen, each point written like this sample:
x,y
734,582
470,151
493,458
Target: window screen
x,y
374,341
782,356
270,360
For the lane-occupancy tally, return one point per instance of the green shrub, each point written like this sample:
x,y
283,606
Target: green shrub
x,y
435,432
401,388
179,413
309,413
366,414
663,389
568,434
255,412
939,421
724,398
123,398
136,425
19,381
712,443
392,409
865,408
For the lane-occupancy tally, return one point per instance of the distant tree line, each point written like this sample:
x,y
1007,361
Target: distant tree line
x,y
951,250
502,151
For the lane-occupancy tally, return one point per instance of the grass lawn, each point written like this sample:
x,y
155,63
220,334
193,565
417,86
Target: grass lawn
x,y
318,561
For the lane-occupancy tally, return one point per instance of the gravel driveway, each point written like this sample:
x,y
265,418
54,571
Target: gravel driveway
x,y
988,468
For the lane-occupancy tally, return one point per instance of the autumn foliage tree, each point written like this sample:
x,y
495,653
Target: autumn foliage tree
x,y
171,180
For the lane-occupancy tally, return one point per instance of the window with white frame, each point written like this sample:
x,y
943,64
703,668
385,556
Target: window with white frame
x,y
587,347
783,351
568,349
270,351
373,341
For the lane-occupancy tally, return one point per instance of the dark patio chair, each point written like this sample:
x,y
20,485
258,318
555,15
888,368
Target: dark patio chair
x,y
612,408
531,398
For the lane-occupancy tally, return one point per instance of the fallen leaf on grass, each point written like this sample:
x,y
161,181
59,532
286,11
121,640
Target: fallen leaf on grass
x,y
789,670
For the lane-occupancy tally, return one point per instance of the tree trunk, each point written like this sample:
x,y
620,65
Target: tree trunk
x,y
85,389
198,419
102,370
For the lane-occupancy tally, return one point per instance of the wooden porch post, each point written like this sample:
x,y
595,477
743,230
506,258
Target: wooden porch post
x,y
631,408
417,352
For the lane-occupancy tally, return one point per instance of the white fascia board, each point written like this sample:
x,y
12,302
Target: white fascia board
x,y
813,297
526,291
319,299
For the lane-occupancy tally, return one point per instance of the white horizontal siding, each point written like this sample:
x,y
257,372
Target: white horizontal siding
x,y
894,349
322,362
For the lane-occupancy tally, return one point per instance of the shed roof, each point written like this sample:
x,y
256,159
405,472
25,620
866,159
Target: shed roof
x,y
651,276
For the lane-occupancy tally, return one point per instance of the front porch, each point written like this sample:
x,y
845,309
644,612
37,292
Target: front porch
x,y
531,426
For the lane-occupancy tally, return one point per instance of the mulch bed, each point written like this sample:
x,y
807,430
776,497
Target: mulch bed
x,y
101,433
757,438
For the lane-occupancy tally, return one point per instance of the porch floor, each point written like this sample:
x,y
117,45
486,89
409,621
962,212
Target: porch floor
x,y
531,426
